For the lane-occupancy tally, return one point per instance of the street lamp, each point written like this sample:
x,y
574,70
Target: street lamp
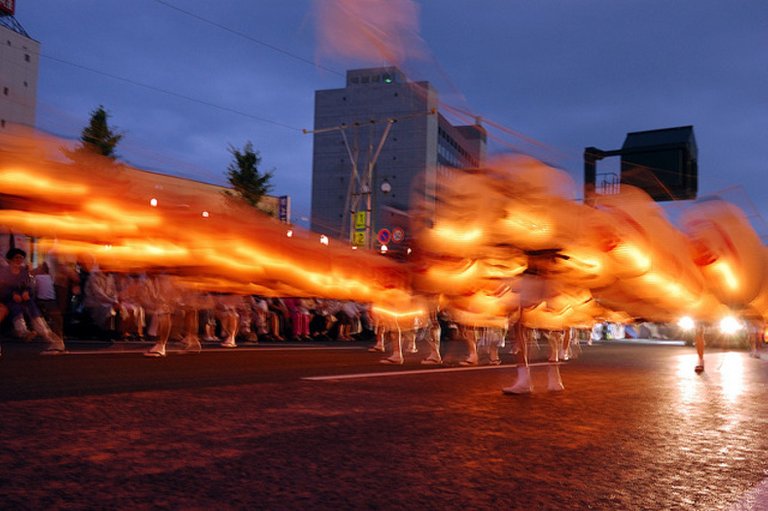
x,y
386,186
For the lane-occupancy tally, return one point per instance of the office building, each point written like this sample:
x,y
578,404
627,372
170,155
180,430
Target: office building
x,y
389,133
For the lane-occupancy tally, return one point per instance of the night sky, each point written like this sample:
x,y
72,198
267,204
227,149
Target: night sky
x,y
184,80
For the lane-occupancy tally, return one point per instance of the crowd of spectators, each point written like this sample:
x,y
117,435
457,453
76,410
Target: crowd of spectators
x,y
81,299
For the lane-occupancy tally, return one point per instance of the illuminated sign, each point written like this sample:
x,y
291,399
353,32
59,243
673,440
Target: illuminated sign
x,y
361,219
8,6
359,239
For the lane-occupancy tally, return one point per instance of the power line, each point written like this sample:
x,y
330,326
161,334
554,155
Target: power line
x,y
170,93
246,36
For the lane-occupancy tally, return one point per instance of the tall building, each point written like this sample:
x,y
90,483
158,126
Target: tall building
x,y
378,143
19,57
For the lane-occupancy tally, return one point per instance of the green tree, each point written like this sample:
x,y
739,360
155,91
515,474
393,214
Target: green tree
x,y
249,184
96,138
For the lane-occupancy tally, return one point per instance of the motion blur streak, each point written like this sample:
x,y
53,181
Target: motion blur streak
x,y
503,242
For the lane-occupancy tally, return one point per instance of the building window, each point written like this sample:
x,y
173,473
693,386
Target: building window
x,y
5,91
2,123
26,57
365,79
26,84
355,79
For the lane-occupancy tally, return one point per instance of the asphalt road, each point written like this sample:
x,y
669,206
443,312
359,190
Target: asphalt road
x,y
246,429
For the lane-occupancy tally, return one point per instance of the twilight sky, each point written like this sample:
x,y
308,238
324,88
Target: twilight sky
x,y
552,76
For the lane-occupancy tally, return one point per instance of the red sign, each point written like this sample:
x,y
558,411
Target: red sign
x,y
8,6
398,234
384,236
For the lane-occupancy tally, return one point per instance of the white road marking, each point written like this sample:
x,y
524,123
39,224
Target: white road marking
x,y
420,371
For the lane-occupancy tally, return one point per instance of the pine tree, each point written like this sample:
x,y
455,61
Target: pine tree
x,y
249,184
96,138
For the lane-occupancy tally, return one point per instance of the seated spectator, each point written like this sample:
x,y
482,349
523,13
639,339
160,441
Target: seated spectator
x,y
17,295
102,302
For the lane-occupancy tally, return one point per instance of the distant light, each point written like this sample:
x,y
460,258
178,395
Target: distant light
x,y
153,202
324,239
686,323
387,78
384,249
408,251
730,325
206,214
354,247
289,233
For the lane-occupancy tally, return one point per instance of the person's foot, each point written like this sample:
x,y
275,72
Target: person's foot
x,y
229,343
430,361
191,345
699,368
392,360
518,388
468,362
376,349
494,361
156,351
53,350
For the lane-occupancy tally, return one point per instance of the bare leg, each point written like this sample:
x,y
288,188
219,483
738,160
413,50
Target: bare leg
x,y
433,341
396,337
191,341
470,338
523,384
553,371
164,324
380,333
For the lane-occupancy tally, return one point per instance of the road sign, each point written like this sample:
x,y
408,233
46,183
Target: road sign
x,y
360,219
384,235
358,239
398,234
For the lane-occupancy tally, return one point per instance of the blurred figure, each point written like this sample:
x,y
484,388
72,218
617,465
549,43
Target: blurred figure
x,y
45,298
17,296
469,335
159,297
131,313
432,337
102,301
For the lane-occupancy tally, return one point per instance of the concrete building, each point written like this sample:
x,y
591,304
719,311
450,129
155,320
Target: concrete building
x,y
19,57
380,142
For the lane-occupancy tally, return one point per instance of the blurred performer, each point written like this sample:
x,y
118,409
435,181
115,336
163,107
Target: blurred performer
x,y
537,287
432,337
469,335
523,384
159,297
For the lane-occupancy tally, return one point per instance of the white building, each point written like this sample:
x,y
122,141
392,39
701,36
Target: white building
x,y
19,58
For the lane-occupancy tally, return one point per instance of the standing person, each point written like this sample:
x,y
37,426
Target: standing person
x,y
699,341
66,285
45,298
17,295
